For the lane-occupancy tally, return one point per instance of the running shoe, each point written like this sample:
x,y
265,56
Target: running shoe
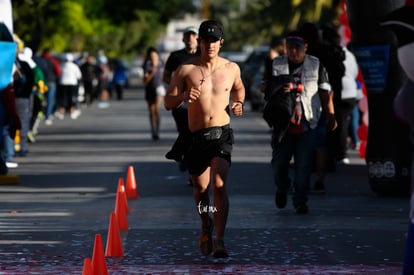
x,y
206,239
60,115
75,114
220,250
10,164
281,199
49,121
301,209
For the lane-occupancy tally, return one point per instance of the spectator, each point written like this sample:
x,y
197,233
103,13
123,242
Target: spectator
x,y
299,136
40,88
51,82
25,80
331,55
91,73
350,96
119,79
334,61
105,80
356,114
276,48
68,89
154,89
346,108
9,117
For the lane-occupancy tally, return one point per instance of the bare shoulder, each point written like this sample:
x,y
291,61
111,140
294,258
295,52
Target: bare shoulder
x,y
229,65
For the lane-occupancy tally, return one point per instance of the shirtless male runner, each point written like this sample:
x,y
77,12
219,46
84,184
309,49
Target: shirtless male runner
x,y
206,83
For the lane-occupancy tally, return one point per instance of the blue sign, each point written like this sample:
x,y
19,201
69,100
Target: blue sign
x,y
373,61
7,57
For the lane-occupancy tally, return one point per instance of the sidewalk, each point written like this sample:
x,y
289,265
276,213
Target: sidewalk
x,y
68,186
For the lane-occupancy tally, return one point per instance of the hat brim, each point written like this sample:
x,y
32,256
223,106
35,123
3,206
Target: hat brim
x,y
215,38
297,41
190,30
402,17
401,21
298,44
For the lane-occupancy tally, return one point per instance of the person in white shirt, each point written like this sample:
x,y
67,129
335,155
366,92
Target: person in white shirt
x,y
349,96
68,88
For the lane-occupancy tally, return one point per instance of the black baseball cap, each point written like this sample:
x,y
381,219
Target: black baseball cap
x,y
211,28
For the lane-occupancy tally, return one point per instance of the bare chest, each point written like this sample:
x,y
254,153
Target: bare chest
x,y
211,83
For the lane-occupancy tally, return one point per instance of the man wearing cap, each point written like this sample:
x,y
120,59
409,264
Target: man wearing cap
x,y
176,58
207,83
306,77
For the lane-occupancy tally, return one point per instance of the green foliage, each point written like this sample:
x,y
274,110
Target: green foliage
x,y
120,27
77,27
172,9
127,27
264,18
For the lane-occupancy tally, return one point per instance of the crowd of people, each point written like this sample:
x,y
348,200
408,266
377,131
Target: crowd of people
x,y
48,87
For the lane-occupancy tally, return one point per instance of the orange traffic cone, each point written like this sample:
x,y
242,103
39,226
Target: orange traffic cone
x,y
131,185
122,194
87,267
113,242
98,258
120,212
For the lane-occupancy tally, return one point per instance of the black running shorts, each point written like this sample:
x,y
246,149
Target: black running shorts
x,y
209,143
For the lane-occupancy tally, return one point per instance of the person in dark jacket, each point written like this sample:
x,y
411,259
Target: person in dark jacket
x,y
51,82
91,73
310,84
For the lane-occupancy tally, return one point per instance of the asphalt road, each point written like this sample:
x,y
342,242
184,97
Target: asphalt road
x,y
67,191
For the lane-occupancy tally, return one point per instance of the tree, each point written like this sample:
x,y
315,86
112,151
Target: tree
x,y
125,27
120,27
261,19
